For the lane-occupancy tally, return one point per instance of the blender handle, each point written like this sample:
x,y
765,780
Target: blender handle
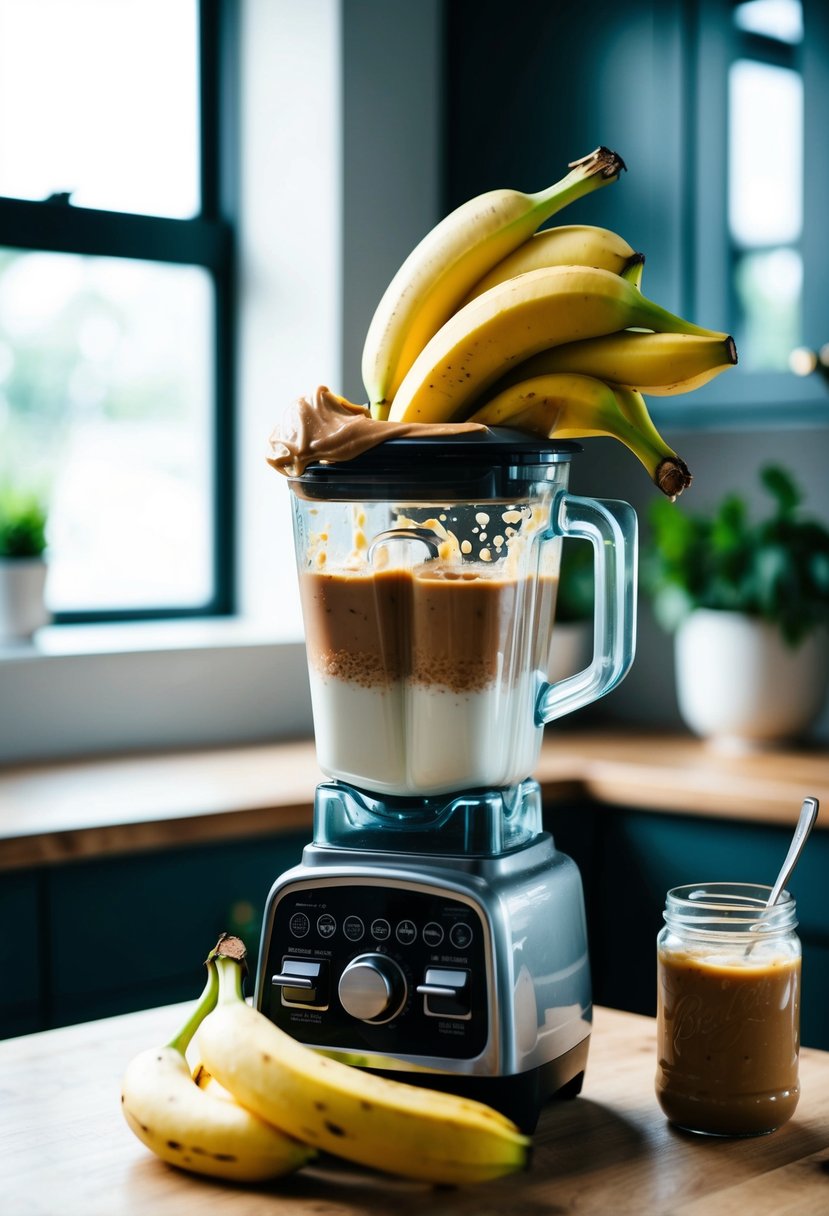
x,y
611,528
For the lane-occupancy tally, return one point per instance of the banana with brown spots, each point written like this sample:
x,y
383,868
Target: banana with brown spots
x,y
196,1129
399,1128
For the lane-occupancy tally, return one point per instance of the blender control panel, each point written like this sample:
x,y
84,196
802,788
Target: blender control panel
x,y
378,968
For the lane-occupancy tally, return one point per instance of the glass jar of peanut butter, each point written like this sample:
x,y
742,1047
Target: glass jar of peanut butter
x,y
728,1009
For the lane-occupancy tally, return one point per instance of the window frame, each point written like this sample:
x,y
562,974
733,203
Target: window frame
x,y
747,399
207,240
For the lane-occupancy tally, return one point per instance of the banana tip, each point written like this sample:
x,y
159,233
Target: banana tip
x,y
601,160
229,947
731,349
673,476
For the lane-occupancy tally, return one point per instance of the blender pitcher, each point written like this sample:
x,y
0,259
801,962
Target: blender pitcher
x,y
428,572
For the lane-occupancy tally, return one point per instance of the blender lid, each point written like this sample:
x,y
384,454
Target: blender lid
x,y
487,463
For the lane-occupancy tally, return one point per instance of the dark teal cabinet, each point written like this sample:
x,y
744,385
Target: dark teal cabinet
x,y
630,858
21,987
91,939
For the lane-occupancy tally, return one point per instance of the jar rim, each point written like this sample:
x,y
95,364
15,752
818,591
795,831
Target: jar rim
x,y
729,907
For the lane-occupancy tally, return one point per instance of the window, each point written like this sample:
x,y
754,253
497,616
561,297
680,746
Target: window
x,y
762,168
765,181
116,297
240,677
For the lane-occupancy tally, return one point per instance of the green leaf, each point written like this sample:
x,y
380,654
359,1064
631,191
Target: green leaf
x,y
777,569
22,524
779,483
729,530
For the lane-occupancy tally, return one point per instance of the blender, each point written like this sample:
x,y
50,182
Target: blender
x,y
432,931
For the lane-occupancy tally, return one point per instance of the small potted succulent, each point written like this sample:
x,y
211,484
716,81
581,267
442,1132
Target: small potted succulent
x,y
749,605
22,564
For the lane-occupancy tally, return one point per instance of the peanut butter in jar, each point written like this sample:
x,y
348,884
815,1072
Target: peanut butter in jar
x,y
728,1010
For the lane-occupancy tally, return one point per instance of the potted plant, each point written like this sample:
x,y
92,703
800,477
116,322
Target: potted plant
x,y
749,604
572,639
22,564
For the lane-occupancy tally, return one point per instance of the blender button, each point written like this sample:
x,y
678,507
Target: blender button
x,y
353,928
432,933
406,932
380,930
326,925
299,924
460,935
446,993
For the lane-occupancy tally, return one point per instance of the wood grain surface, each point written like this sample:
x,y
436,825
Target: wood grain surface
x,y
51,813
66,1150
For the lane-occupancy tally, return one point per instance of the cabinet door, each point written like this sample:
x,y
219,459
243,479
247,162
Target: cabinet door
x,y
640,855
132,933
21,990
526,96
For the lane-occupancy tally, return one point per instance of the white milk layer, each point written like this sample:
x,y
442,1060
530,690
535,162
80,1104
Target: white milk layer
x,y
417,739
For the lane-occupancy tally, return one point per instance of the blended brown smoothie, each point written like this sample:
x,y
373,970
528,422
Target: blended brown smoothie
x,y
728,1042
424,679
460,629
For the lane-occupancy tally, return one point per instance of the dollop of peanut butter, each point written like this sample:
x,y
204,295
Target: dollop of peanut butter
x,y
330,429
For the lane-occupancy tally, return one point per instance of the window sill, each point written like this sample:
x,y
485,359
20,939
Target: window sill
x,y
195,633
91,689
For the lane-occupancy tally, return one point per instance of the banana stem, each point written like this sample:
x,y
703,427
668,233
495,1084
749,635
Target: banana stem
x,y
206,1003
633,270
667,470
654,316
588,174
230,980
229,956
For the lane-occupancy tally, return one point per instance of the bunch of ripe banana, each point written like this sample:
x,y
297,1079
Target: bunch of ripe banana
x,y
490,320
259,1105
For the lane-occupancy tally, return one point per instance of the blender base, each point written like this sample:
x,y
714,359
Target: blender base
x,y
521,1097
459,964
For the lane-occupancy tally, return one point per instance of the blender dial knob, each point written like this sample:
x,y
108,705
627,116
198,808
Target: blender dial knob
x,y
372,988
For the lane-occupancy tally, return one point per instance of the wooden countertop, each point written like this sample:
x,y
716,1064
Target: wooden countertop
x,y
57,812
67,1151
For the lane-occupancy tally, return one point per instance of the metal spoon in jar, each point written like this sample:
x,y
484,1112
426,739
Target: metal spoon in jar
x,y
808,815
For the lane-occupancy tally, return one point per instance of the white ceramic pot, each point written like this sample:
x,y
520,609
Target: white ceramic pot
x,y
740,685
22,604
571,649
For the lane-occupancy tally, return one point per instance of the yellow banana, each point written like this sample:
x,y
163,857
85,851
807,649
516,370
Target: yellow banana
x,y
430,285
566,245
192,1128
399,1128
576,407
512,322
658,364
